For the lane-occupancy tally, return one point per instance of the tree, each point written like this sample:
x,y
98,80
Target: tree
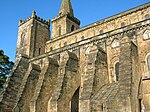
x,y
5,68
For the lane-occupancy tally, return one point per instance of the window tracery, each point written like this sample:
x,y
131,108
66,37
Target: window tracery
x,y
146,35
115,43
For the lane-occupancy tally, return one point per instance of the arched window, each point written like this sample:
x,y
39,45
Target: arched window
x,y
39,51
148,63
101,31
72,28
82,38
22,39
117,71
146,34
147,16
75,102
59,31
115,43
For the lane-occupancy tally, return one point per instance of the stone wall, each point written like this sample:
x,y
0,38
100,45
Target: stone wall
x,y
77,71
28,92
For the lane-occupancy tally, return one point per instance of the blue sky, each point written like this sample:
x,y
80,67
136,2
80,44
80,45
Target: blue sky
x,y
88,11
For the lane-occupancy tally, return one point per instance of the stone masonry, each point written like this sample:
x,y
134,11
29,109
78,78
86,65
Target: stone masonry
x,y
102,67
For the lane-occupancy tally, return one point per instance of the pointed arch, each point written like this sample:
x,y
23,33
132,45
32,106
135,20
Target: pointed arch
x,y
75,101
117,71
22,39
115,43
146,34
148,64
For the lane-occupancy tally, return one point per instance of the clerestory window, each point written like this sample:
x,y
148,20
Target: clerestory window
x,y
123,24
147,16
101,32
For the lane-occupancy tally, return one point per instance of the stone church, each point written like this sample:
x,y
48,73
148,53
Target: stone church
x,y
102,67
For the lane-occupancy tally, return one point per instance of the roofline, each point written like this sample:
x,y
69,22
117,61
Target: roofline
x,y
121,14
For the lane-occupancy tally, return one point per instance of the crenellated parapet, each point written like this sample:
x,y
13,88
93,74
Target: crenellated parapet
x,y
34,16
33,33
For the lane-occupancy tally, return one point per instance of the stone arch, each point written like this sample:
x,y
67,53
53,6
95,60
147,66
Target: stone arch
x,y
144,68
113,61
147,65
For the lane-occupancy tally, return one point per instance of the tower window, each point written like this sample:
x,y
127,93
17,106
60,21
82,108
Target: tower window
x,y
39,51
59,31
117,71
101,31
72,28
22,39
148,63
147,16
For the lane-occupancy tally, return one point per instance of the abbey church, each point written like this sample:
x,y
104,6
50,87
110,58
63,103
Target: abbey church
x,y
102,67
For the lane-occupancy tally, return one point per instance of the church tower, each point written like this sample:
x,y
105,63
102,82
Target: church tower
x,y
64,22
32,36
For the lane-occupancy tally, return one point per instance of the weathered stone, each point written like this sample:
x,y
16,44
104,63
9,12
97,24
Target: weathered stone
x,y
103,67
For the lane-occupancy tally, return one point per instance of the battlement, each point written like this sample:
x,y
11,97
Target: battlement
x,y
34,16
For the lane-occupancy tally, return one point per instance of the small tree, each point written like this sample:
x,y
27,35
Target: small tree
x,y
5,68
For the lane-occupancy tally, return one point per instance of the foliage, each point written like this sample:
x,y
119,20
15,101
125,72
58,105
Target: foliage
x,y
5,68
